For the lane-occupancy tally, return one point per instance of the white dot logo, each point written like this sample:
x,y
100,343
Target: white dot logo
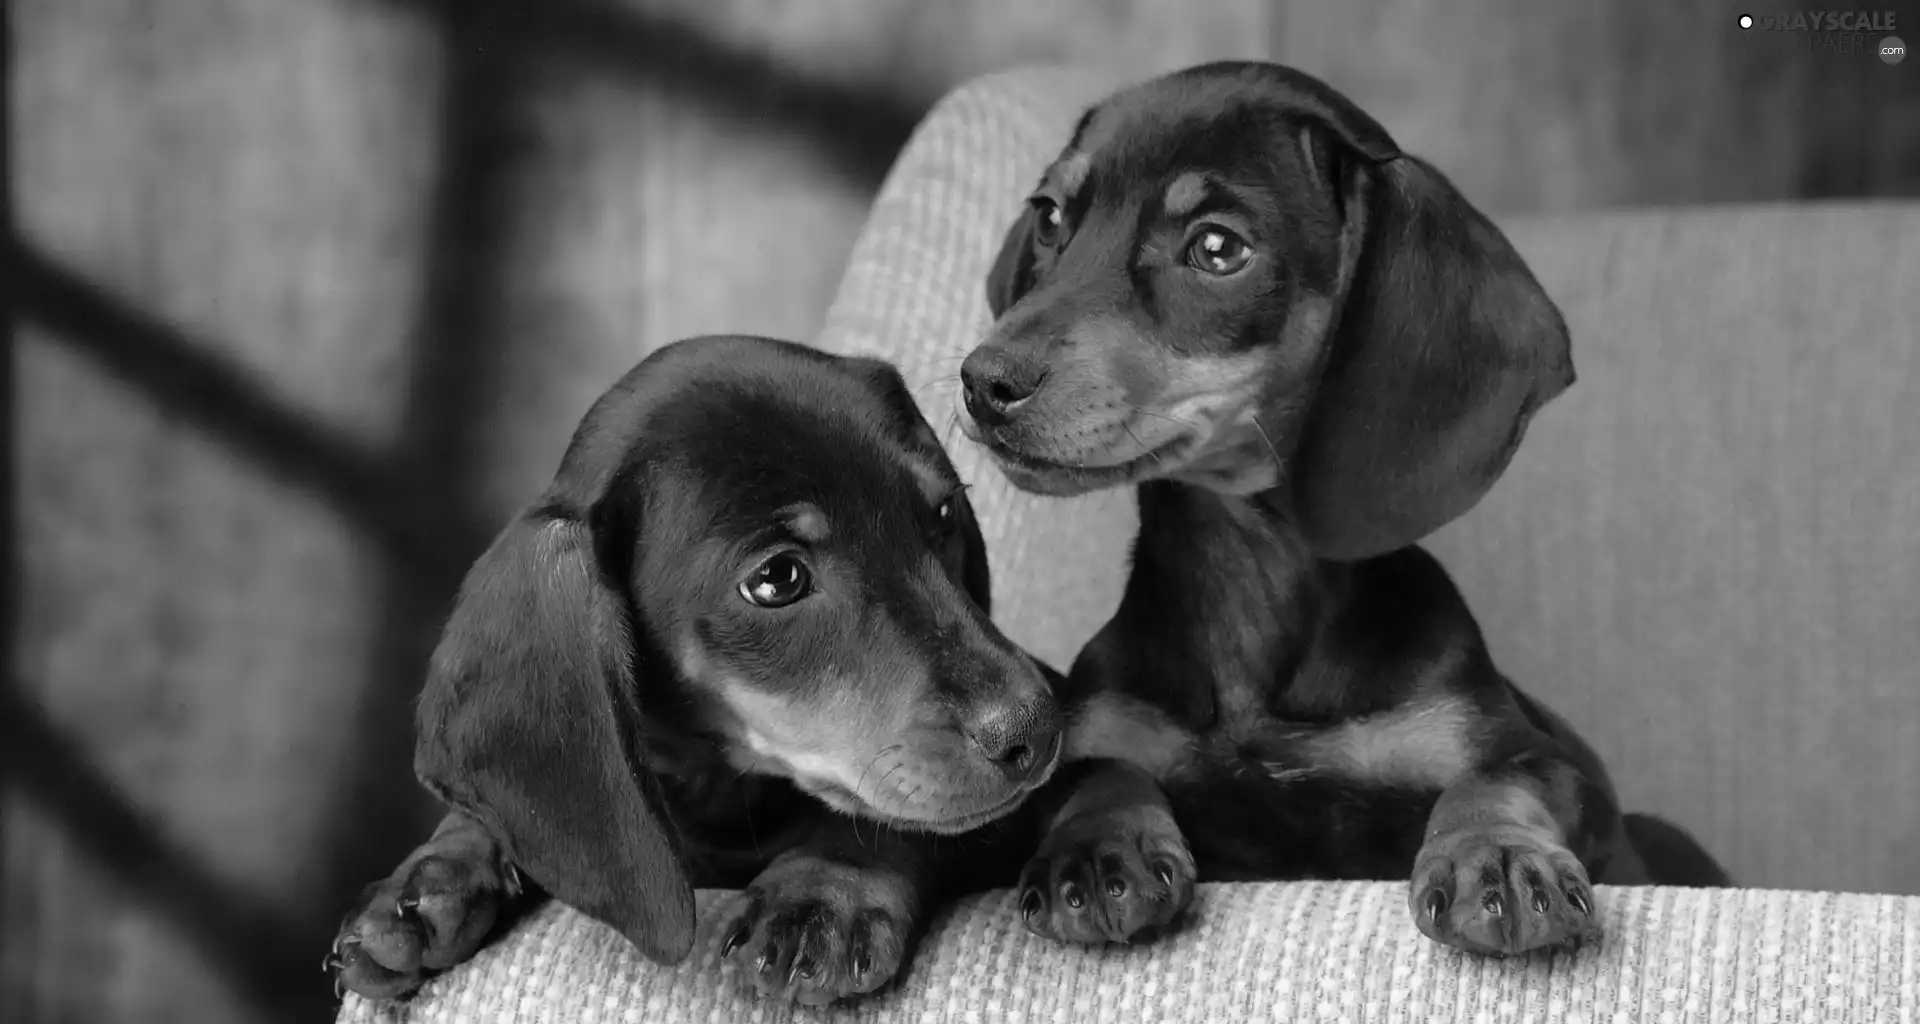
x,y
1892,50
1746,21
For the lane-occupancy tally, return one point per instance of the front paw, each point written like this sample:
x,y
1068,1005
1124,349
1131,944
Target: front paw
x,y
814,931
1108,876
432,913
1501,890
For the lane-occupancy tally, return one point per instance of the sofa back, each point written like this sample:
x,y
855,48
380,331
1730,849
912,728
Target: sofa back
x,y
1707,552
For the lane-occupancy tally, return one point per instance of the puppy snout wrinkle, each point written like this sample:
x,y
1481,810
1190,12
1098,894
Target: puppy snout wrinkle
x,y
1021,740
998,381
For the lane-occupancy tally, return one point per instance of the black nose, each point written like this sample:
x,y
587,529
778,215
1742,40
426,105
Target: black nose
x,y
1019,739
996,381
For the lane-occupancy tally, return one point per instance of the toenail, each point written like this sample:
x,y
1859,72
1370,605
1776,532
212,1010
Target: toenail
x,y
1437,901
1071,893
1116,887
1494,904
803,968
1030,903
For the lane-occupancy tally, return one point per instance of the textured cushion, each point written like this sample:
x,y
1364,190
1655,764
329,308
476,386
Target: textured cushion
x,y
1282,952
1672,544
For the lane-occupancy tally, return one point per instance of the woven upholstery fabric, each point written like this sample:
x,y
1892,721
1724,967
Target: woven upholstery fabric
x,y
914,293
1286,952
1777,441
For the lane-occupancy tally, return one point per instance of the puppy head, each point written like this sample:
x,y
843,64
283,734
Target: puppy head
x,y
1232,277
755,558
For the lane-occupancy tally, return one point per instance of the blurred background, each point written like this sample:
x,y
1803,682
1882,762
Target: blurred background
x,y
305,295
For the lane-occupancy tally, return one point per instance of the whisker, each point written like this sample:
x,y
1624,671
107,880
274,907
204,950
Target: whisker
x,y
886,826
1142,445
943,381
1138,410
1263,436
884,751
908,369
862,780
882,784
953,428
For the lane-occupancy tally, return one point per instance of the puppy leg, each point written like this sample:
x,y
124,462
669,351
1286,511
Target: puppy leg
x,y
434,911
837,915
1113,865
1503,870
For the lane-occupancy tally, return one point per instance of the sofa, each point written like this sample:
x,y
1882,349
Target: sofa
x,y
1706,555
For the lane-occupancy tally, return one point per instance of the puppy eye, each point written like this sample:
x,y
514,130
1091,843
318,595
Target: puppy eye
x,y
1048,222
778,582
948,516
1219,252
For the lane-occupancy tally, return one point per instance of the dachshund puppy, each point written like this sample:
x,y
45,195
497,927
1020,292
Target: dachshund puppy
x,y
741,640
1307,351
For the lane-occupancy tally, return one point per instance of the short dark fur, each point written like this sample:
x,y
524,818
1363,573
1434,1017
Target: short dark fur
x,y
1290,688
612,717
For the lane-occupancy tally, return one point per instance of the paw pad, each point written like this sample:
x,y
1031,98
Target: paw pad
x,y
1532,893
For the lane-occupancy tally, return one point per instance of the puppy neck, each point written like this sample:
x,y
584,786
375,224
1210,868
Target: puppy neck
x,y
1183,511
1199,548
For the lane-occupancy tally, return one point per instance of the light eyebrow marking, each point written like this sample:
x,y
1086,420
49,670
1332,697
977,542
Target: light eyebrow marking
x,y
807,522
1073,172
933,486
1186,194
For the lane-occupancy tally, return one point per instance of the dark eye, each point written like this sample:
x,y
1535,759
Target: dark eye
x,y
1048,222
780,581
1219,252
949,516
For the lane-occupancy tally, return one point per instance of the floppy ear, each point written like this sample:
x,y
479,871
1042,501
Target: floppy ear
x,y
1443,346
1012,274
527,724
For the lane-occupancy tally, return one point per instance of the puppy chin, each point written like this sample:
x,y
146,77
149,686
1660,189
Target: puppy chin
x,y
941,821
955,824
1056,476
960,812
1096,471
